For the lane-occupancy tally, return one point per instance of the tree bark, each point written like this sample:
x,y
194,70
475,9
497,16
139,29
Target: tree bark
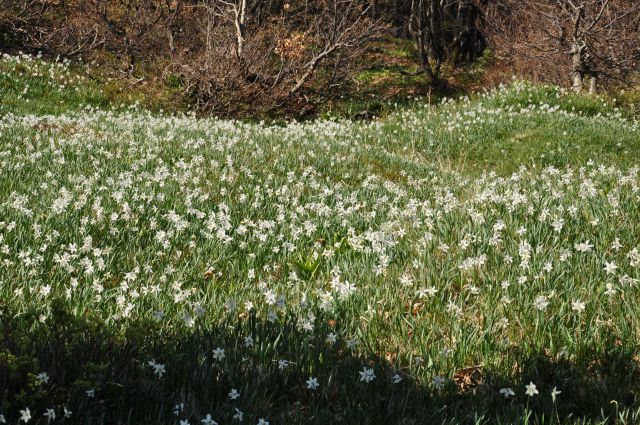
x,y
577,81
578,67
593,83
240,27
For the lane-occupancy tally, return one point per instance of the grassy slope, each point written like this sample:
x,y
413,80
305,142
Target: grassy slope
x,y
527,125
477,142
415,151
28,85
32,86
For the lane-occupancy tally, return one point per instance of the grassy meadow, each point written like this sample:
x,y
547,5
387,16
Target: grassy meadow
x,y
472,261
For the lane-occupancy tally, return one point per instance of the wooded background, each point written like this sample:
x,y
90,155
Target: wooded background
x,y
227,56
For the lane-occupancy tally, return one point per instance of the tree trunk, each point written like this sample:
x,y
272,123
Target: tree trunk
x,y
435,34
172,47
209,41
464,22
399,18
424,58
578,66
577,81
593,83
240,27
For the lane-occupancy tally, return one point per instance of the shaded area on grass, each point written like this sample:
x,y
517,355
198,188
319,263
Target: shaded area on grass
x,y
80,353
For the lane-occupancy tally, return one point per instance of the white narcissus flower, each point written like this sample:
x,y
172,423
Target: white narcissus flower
x,y
282,364
531,389
610,267
312,383
158,368
616,245
42,378
578,306
507,392
554,393
25,415
178,409
50,414
351,344
583,247
208,420
218,354
367,375
439,382
234,394
541,302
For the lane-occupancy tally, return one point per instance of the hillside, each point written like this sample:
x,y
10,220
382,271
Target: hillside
x,y
471,261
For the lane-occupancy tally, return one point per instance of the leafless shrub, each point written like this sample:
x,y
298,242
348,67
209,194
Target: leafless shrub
x,y
133,29
594,39
273,62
